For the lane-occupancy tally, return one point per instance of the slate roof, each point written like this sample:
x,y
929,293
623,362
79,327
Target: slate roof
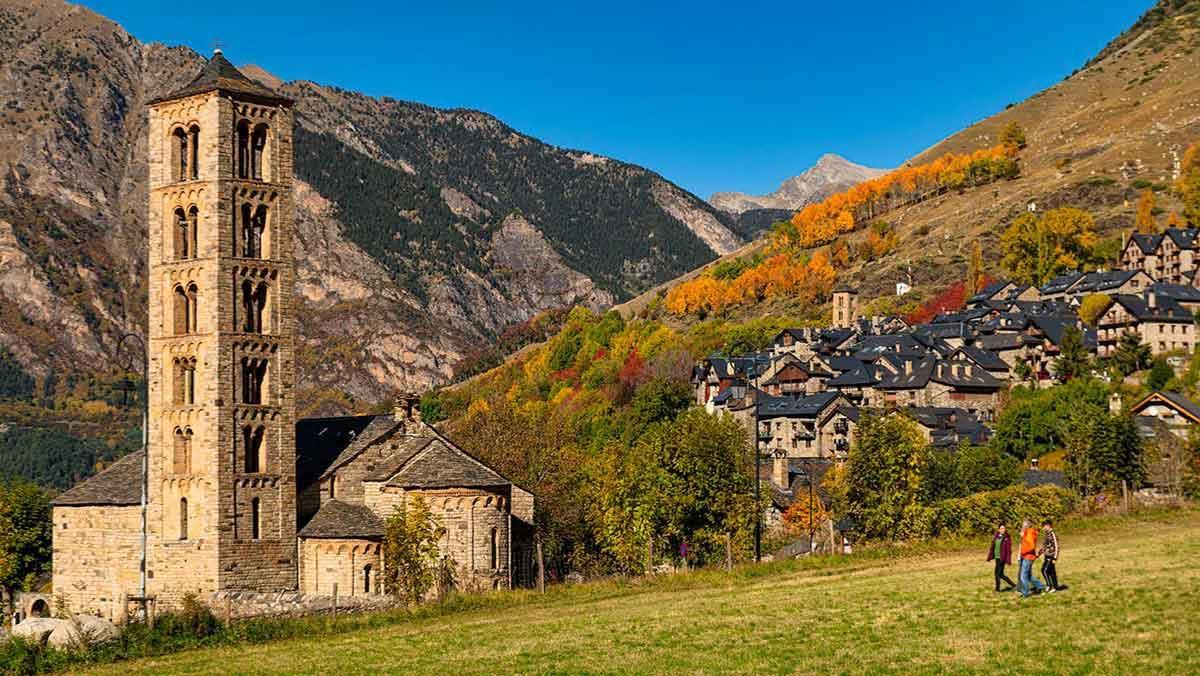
x,y
221,75
1184,238
963,377
379,427
320,440
985,358
1060,284
1147,243
1000,341
840,363
863,376
1184,293
948,427
988,291
118,485
443,465
341,520
917,379
1165,309
1100,282
796,407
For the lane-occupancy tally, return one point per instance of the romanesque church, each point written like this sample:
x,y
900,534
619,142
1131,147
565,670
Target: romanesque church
x,y
240,496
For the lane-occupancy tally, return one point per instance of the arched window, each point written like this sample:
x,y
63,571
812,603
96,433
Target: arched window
x,y
194,137
255,449
183,519
258,148
258,228
180,150
182,312
183,235
366,579
254,374
255,519
185,381
243,149
193,232
192,313
494,550
182,462
254,306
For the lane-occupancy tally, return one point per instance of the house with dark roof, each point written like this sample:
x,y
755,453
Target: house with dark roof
x,y
1159,321
1169,411
814,426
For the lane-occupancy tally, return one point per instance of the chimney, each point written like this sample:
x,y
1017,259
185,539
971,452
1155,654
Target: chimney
x,y
1152,300
407,408
1114,403
780,473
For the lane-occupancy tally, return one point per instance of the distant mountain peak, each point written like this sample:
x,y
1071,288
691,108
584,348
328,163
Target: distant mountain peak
x,y
831,173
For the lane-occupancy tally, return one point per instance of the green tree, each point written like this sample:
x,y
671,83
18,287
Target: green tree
x,y
887,477
1102,450
410,551
1131,354
1034,421
983,468
1037,248
1161,373
1073,359
25,532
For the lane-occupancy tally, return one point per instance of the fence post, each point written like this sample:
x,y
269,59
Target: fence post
x,y
335,602
831,543
1125,494
541,568
728,552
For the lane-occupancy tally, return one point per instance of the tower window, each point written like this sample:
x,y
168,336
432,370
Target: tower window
x,y
258,147
194,137
193,231
255,449
254,375
255,519
183,519
183,235
254,304
243,149
180,150
185,309
182,461
185,381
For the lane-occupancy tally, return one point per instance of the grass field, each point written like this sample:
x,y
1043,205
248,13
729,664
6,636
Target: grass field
x,y
1133,607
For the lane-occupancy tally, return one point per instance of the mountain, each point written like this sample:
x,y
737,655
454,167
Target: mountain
x,y
422,232
1095,140
832,173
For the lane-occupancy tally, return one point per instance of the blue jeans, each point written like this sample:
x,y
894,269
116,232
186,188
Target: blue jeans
x,y
1026,578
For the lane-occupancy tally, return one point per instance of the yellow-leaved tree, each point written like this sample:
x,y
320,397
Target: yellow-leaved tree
x,y
1038,248
1144,222
1092,306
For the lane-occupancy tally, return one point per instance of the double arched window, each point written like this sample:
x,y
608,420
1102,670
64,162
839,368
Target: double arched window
x,y
185,153
182,460
186,235
185,315
253,306
185,381
254,378
249,231
251,152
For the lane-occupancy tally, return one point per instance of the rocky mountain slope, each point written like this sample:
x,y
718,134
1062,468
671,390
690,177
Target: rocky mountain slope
x,y
832,173
422,232
1095,140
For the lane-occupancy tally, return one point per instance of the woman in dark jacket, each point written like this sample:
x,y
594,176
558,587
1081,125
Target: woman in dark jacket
x,y
1000,551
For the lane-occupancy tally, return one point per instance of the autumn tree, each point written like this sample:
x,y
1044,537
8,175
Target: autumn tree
x,y
974,270
1038,248
1092,306
1013,136
1144,222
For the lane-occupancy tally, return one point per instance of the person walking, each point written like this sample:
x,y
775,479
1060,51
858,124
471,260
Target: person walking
x,y
1000,551
1029,554
1049,552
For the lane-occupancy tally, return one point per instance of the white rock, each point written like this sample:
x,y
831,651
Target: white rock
x,y
36,629
83,630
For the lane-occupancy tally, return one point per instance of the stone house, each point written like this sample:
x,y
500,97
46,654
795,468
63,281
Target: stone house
x,y
1169,257
1159,322
815,426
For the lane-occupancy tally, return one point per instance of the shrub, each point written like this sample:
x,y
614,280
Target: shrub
x,y
979,513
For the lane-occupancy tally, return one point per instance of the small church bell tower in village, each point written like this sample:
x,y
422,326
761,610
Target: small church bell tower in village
x,y
222,467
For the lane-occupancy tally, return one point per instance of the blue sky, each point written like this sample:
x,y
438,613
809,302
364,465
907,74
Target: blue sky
x,y
714,96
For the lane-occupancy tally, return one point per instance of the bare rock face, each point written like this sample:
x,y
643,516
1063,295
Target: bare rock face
x,y
829,175
421,233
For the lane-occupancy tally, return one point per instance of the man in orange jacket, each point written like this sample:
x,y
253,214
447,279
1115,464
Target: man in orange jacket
x,y
1029,554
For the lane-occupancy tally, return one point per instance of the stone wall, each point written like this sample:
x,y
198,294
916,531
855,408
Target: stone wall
x,y
97,551
353,565
243,605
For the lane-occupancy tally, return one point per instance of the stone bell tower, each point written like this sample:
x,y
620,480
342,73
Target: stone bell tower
x,y
222,466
